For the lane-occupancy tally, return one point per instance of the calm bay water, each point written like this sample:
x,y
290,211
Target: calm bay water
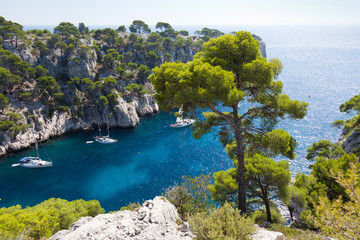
x,y
321,67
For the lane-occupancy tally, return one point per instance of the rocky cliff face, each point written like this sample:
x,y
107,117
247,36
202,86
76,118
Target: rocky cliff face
x,y
70,61
156,219
350,143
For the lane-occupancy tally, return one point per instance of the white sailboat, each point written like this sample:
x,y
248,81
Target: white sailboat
x,y
33,162
182,122
105,139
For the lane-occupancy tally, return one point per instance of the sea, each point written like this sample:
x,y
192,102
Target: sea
x,y
321,67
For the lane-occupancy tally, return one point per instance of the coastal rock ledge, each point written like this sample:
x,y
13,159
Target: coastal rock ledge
x,y
156,219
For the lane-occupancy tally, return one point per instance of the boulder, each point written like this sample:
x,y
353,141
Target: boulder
x,y
263,234
155,220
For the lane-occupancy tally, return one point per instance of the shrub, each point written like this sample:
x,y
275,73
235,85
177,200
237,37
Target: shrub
x,y
44,219
25,95
191,196
222,223
259,217
131,207
63,108
292,233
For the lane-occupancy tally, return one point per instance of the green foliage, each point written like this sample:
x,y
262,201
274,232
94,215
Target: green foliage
x,y
279,142
229,72
26,95
83,29
221,223
110,81
62,46
151,58
121,28
354,123
44,219
260,217
41,71
16,66
53,40
292,233
209,33
41,47
112,99
191,196
103,101
63,108
138,26
48,84
155,37
4,101
184,33
132,66
323,171
352,105
134,88
111,59
325,149
143,71
12,123
225,187
337,218
7,78
131,207
10,29
66,29
266,180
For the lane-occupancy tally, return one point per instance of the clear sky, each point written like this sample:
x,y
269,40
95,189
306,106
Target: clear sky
x,y
181,12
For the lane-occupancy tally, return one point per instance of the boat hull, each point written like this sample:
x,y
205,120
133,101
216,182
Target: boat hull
x,y
32,162
106,141
183,123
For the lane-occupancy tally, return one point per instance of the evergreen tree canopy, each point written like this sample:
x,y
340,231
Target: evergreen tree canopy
x,y
139,26
230,74
66,29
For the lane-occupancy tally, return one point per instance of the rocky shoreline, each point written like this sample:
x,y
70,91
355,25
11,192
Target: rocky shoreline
x,y
125,115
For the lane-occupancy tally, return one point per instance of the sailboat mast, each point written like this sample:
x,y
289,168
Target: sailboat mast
x,y
107,124
99,130
36,145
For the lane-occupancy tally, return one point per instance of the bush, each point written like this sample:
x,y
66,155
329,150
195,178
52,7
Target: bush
x,y
259,217
191,196
292,233
131,207
25,95
44,219
63,108
222,223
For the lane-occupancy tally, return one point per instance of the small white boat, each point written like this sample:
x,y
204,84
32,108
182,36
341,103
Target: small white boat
x,y
32,162
105,139
182,122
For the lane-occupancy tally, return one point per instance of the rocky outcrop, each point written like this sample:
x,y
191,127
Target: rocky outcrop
x,y
263,234
157,219
350,143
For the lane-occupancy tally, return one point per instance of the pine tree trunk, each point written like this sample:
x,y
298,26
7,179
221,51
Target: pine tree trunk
x,y
267,208
241,172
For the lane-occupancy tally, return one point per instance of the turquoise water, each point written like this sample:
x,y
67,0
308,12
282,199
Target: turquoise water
x,y
321,66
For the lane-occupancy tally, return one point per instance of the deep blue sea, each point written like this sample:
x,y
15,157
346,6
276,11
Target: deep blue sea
x,y
321,67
